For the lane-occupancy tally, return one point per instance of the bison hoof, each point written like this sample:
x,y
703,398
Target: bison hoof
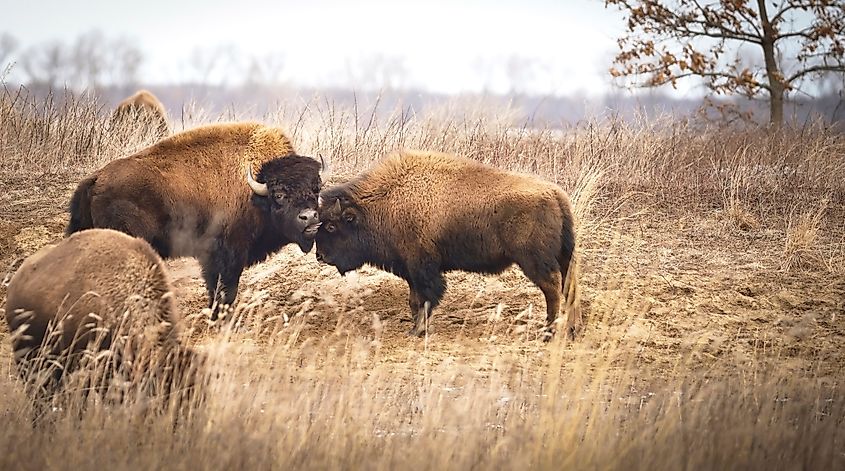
x,y
415,332
220,312
548,334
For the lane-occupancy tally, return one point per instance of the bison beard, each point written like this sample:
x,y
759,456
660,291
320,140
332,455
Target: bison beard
x,y
194,194
419,215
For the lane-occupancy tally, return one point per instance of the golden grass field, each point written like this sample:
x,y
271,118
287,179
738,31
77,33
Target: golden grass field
x,y
713,285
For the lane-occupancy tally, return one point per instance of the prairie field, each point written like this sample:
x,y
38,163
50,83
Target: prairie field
x,y
712,276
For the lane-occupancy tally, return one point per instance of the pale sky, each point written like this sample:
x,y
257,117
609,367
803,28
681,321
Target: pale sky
x,y
447,46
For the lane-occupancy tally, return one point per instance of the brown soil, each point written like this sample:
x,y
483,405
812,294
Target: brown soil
x,y
677,286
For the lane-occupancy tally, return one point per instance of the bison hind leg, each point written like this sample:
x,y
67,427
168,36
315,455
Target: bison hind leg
x,y
127,217
549,280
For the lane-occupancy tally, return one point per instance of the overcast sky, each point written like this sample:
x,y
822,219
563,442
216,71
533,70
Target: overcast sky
x,y
446,46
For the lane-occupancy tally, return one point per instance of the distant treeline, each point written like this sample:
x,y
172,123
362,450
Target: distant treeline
x,y
226,103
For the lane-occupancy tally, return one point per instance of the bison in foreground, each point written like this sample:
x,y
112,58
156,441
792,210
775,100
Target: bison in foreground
x,y
143,106
194,194
100,302
420,214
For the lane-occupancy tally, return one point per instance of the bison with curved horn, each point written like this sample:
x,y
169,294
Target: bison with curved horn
x,y
420,214
100,302
229,195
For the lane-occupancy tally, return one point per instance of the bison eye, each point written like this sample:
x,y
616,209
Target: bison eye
x,y
330,227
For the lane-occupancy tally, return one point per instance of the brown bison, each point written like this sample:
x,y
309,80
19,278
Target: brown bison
x,y
420,214
143,106
194,194
98,291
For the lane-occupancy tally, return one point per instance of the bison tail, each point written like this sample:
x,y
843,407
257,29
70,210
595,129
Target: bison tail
x,y
572,291
570,286
80,207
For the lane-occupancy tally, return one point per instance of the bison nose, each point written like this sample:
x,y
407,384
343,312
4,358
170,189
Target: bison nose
x,y
319,257
309,216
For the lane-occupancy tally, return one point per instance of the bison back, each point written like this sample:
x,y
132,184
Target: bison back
x,y
100,272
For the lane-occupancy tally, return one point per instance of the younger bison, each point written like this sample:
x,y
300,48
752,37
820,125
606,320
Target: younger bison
x,y
228,194
142,107
96,291
419,214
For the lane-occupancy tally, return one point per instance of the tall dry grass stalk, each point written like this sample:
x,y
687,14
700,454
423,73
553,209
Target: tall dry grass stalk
x,y
282,397
802,246
344,402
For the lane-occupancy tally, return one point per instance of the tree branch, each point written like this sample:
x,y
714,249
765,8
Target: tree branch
x,y
814,69
803,33
738,35
789,7
722,34
711,75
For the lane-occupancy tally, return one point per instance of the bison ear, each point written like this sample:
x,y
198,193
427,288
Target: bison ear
x,y
349,215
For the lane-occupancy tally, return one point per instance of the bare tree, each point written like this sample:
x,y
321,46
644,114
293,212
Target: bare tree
x,y
485,68
789,41
45,64
215,65
378,71
89,59
265,69
8,45
202,63
124,63
522,72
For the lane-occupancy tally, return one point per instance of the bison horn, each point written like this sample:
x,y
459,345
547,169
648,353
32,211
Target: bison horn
x,y
259,189
324,167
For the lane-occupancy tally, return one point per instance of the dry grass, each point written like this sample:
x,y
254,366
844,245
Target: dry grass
x,y
699,352
801,250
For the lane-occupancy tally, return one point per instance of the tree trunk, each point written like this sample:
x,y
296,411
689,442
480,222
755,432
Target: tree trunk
x,y
776,85
776,108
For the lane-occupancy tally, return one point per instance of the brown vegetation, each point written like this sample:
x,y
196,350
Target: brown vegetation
x,y
701,351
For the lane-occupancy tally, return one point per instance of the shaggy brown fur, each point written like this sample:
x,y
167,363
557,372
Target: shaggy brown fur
x,y
187,195
419,214
98,290
143,103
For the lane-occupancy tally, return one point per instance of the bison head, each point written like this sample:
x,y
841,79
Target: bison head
x,y
341,240
290,191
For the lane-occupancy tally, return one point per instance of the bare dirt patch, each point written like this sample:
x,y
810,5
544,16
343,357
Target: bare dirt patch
x,y
673,285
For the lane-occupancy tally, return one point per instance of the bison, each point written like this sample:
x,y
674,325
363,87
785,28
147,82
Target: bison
x,y
420,214
146,106
98,291
194,194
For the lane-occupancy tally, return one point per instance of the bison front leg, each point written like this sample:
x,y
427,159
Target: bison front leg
x,y
426,293
222,273
417,306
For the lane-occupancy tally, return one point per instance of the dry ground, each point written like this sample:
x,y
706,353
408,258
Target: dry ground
x,y
670,282
715,326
